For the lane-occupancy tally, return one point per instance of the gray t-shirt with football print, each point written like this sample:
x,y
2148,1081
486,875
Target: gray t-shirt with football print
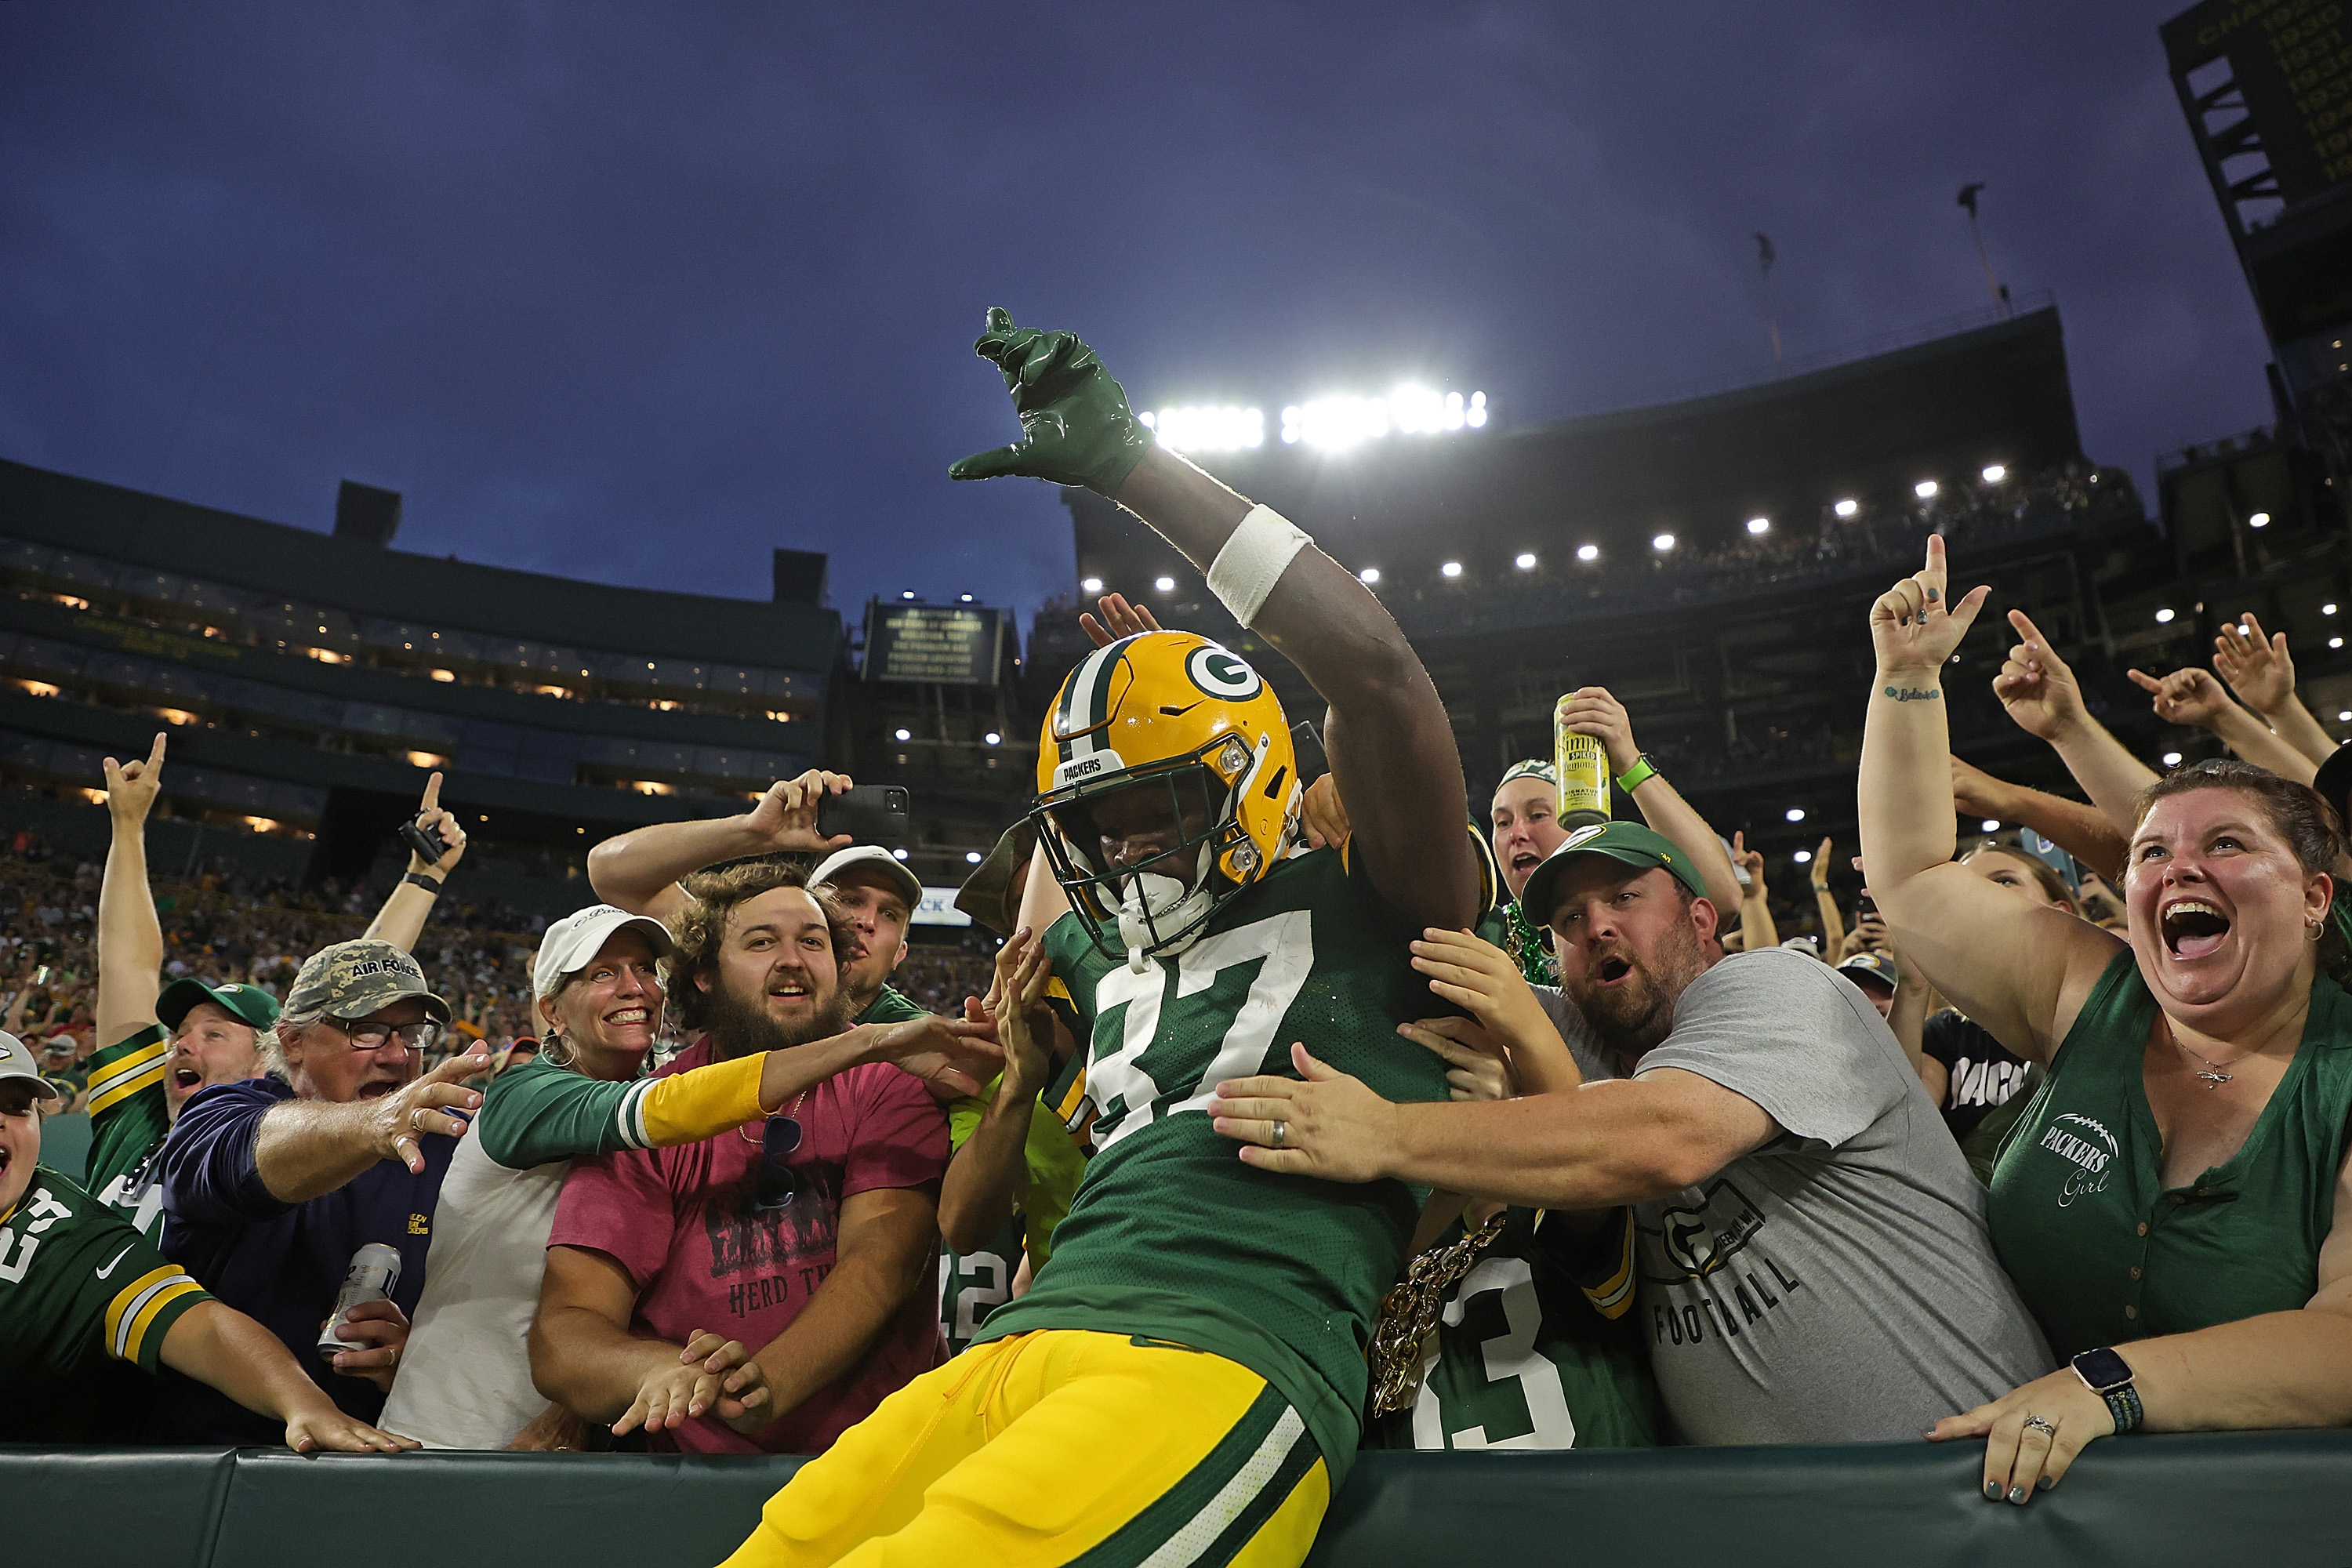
x,y
1837,1284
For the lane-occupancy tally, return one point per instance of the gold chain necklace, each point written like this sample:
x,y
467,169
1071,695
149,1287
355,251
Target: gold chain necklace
x,y
1409,1313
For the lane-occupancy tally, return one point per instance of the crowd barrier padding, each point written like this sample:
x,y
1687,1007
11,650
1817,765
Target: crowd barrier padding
x,y
2275,1497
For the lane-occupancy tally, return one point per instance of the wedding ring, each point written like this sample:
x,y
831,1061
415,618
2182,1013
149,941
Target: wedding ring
x,y
2039,1425
416,1119
1281,1131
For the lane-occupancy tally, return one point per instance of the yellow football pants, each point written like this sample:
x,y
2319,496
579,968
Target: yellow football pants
x,y
1059,1447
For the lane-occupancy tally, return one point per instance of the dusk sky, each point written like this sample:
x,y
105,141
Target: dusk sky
x,y
636,292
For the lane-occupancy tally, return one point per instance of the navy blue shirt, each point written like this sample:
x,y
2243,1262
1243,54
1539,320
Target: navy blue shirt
x,y
281,1263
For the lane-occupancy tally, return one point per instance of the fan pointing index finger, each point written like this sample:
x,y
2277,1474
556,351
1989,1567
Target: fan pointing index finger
x,y
1937,571
432,800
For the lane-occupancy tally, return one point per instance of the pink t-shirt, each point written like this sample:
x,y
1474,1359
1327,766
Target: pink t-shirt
x,y
682,1222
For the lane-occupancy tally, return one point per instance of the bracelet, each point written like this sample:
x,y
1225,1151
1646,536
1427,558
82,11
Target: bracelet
x,y
2122,1403
1251,561
419,879
1641,773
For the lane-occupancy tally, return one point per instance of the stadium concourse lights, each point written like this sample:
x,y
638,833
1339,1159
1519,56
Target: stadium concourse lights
x,y
904,734
2259,519
906,592
1847,507
1165,585
1663,542
2164,616
971,857
2172,759
1369,575
1760,525
1994,473
1525,560
1990,826
1803,857
897,854
993,739
2335,642
1090,584
1588,552
1925,490
2327,609
1796,813
1451,569
963,598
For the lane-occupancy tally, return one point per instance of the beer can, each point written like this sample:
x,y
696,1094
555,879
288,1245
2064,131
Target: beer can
x,y
374,1270
1583,764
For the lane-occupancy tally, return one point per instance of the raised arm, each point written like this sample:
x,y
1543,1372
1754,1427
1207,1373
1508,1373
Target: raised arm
x,y
639,870
2191,695
401,920
1592,711
1390,741
2083,831
2041,692
130,938
1825,904
2014,975
1757,930
2259,671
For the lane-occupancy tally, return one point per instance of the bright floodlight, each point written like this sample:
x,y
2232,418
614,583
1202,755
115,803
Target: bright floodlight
x,y
2327,609
897,854
1925,490
1847,507
1208,428
1994,473
1368,575
2164,617
906,592
2345,716
1410,410
1451,569
1796,813
1165,585
971,857
1990,826
1803,857
1091,584
2259,519
1662,543
1760,525
1588,552
992,737
1525,560
963,598
905,734
2172,759
2335,642
1477,415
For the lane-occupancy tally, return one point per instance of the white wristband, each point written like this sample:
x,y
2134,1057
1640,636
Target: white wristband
x,y
1253,559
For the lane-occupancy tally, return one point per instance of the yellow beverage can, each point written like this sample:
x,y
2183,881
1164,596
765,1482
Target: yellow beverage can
x,y
1583,764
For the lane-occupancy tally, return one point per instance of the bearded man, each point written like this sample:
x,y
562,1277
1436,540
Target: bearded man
x,y
808,1239
1750,1165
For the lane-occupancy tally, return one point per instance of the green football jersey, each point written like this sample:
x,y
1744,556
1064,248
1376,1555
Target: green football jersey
x,y
80,1290
1171,1236
891,1006
129,1116
1520,1360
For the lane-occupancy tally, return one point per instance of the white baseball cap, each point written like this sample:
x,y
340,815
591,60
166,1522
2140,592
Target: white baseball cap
x,y
15,1061
910,886
572,941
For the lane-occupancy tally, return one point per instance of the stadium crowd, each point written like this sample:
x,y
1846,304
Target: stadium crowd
x,y
2033,1145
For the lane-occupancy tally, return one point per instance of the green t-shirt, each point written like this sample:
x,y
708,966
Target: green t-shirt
x,y
2101,1250
129,1116
892,1007
1520,1359
82,1298
1171,1237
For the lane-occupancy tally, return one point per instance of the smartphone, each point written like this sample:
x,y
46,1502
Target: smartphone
x,y
869,813
1308,746
423,842
1866,910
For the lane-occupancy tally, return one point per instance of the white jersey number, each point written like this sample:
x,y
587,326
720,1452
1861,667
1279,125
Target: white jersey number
x,y
1510,1354
1285,943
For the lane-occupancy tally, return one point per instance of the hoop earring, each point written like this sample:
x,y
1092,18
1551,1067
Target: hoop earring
x,y
554,1049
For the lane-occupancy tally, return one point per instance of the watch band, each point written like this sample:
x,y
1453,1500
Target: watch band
x,y
2105,1373
419,879
1641,773
2122,1403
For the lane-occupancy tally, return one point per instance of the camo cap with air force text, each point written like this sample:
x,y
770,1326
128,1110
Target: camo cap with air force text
x,y
353,979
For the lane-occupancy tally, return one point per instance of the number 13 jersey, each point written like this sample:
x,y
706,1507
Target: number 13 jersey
x,y
1171,1236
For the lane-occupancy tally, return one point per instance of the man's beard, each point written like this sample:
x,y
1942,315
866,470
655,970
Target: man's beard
x,y
737,1027
1632,1017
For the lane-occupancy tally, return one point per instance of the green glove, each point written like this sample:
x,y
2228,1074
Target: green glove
x,y
1075,427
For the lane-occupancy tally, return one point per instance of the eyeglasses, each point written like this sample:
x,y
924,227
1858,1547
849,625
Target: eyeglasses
x,y
367,1034
775,1185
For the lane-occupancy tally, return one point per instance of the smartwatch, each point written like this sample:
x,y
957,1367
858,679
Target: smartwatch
x,y
2109,1376
1641,773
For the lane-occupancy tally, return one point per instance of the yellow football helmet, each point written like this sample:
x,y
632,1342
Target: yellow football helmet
x,y
1175,711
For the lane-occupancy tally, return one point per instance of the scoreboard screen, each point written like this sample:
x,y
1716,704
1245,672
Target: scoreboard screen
x,y
2293,62
931,644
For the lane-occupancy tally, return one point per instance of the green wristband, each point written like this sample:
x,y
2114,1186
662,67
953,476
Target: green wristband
x,y
1641,773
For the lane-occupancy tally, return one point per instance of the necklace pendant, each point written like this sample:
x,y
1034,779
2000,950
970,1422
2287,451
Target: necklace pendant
x,y
2213,1079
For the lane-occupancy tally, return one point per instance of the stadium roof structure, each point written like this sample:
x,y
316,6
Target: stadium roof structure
x,y
1785,449
79,514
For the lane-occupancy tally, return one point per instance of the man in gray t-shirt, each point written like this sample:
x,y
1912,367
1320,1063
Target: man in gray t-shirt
x,y
1751,1165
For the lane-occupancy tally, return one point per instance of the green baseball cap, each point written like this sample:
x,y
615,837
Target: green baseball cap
x,y
353,979
1629,842
248,1003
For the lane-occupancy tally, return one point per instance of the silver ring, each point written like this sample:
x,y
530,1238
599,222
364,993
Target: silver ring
x,y
2039,1425
1281,1131
416,1119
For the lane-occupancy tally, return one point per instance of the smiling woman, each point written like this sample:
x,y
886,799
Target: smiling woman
x,y
2168,1204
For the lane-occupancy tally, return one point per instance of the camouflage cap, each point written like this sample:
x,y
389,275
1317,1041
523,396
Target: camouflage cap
x,y
353,979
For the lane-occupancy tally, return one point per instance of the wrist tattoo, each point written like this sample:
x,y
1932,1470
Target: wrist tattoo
x,y
1915,693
